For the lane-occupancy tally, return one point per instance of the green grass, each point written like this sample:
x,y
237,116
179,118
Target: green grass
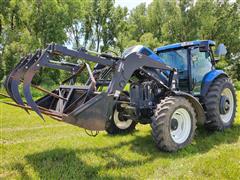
x,y
237,85
33,149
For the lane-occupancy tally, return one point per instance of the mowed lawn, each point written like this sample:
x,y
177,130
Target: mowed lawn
x,y
33,149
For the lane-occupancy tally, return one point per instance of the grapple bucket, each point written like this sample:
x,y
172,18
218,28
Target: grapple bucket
x,y
80,109
79,105
92,115
86,106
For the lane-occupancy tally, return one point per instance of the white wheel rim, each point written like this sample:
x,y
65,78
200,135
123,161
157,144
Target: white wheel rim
x,y
181,133
121,124
228,116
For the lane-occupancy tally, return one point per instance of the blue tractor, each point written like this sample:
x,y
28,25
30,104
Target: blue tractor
x,y
173,88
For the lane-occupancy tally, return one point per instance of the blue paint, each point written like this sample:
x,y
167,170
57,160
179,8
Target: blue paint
x,y
209,78
151,54
144,50
185,44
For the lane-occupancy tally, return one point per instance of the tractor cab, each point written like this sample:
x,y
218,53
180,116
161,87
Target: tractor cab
x,y
193,60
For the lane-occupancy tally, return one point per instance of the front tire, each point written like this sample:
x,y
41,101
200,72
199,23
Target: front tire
x,y
174,124
117,124
220,104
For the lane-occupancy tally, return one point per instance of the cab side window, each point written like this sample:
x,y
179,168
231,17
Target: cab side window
x,y
201,65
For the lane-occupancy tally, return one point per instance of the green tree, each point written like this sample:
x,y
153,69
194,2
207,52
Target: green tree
x,y
98,23
139,21
148,40
1,67
49,20
120,28
156,15
75,10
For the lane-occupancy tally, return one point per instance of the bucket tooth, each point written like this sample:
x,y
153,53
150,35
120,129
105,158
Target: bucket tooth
x,y
44,111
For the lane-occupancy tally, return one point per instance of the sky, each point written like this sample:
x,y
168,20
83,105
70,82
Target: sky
x,y
130,4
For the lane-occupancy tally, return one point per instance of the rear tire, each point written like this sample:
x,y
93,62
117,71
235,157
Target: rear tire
x,y
173,124
220,103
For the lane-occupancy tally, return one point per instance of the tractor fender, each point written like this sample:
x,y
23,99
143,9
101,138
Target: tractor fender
x,y
201,118
209,78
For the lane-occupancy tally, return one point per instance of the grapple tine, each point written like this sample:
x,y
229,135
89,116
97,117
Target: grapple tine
x,y
17,75
29,99
31,70
10,83
7,83
15,92
13,82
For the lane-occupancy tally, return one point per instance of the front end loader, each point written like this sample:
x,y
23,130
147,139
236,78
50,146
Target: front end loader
x,y
120,92
81,105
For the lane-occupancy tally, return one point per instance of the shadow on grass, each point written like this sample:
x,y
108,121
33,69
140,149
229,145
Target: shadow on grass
x,y
68,163
64,164
203,142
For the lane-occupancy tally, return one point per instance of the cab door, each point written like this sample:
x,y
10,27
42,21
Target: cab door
x,y
178,59
200,65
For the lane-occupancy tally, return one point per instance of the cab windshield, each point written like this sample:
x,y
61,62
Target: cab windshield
x,y
175,58
178,59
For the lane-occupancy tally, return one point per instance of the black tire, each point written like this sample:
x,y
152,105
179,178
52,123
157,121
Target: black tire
x,y
162,123
212,101
112,128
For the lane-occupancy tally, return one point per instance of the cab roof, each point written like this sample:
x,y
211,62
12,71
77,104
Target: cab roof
x,y
185,44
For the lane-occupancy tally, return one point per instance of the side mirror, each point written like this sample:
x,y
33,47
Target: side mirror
x,y
221,50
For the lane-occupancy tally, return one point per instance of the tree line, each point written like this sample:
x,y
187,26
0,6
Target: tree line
x,y
99,25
